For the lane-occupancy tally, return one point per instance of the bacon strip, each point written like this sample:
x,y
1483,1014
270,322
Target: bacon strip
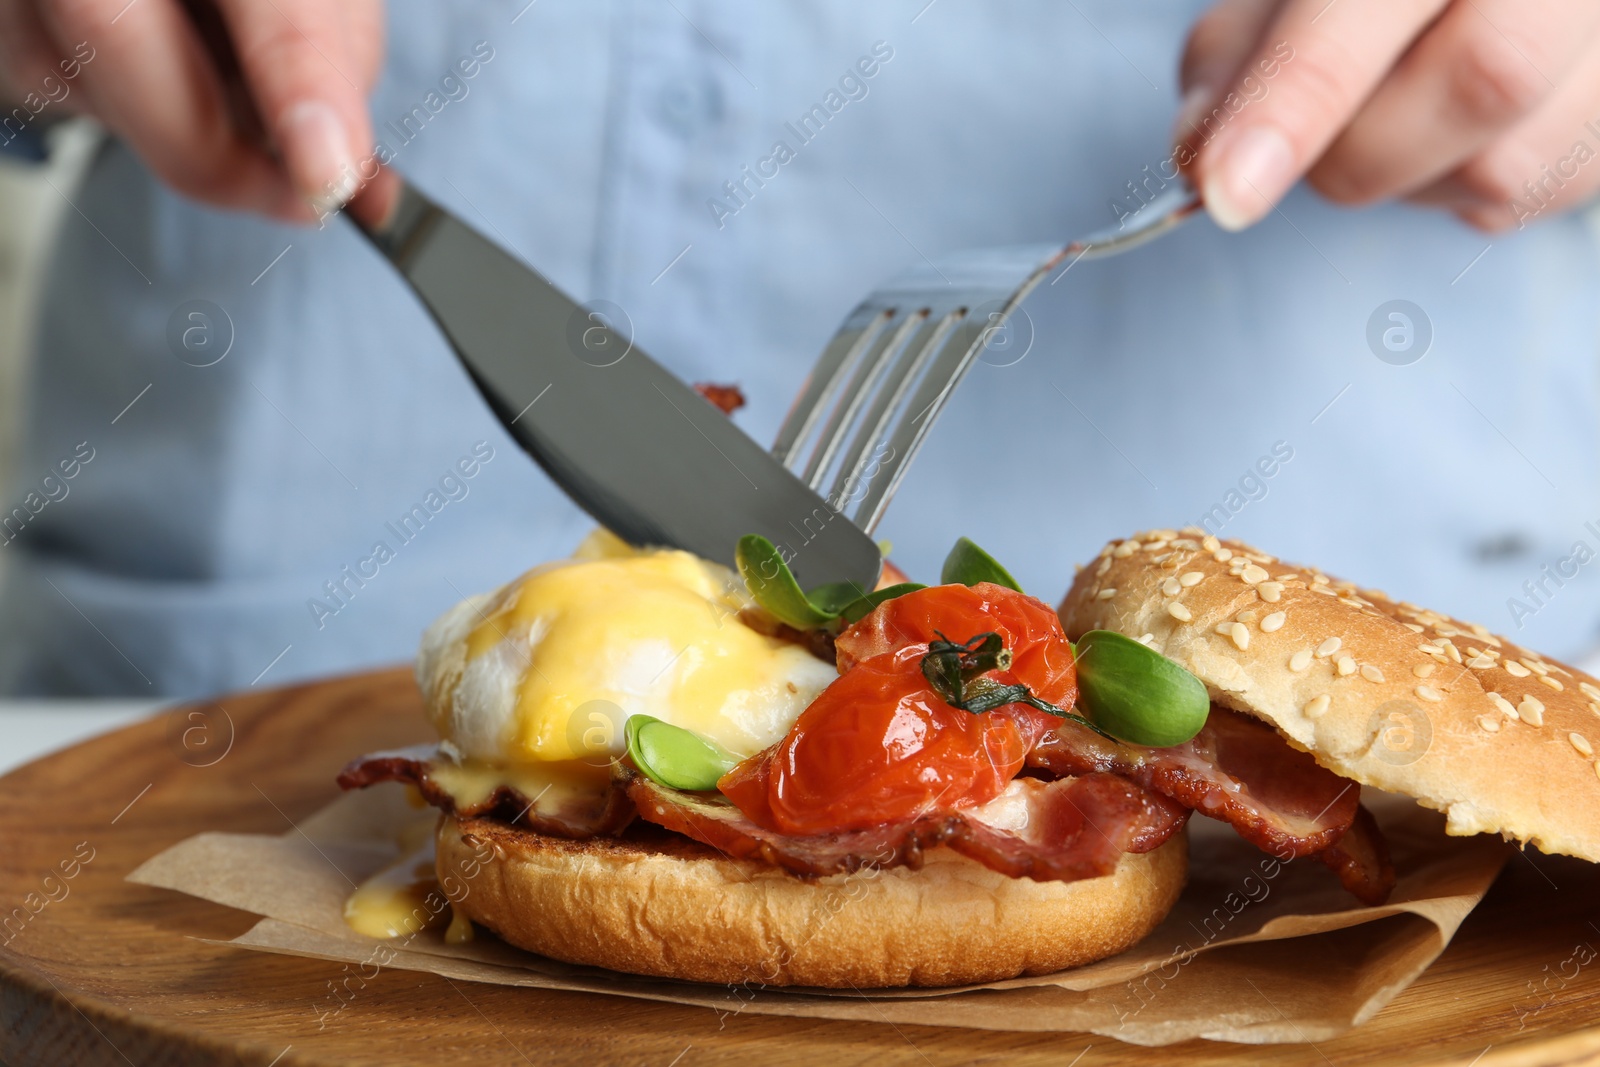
x,y
1063,830
1236,769
563,815
1361,860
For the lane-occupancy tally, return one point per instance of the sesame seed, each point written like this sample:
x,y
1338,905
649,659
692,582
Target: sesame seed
x,y
1532,711
1345,665
1317,705
1516,670
1148,640
1290,577
1164,532
1328,647
1271,592
1429,693
1414,628
1455,653
1589,691
1222,555
1504,705
1480,662
1171,587
1489,723
1582,744
1223,628
1594,707
1156,546
1253,574
1324,590
1371,673
1300,660
1432,650
1179,612
1188,544
1597,769
1126,549
1190,579
1492,639
1272,622
1100,571
1535,666
1422,670
1210,543
1319,579
1241,636
1553,683
1107,593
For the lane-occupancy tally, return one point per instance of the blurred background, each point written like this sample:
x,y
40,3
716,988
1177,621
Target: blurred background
x,y
1235,376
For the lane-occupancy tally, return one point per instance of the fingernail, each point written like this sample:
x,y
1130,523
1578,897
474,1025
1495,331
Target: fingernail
x,y
1196,104
1255,169
316,147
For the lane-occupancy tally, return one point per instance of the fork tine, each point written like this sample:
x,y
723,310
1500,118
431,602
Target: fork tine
x,y
841,353
913,360
917,417
869,370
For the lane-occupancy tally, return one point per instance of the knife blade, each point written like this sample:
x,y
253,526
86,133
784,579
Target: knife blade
x,y
630,443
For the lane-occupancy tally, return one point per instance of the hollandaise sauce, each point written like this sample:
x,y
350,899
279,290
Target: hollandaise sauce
x,y
404,898
560,659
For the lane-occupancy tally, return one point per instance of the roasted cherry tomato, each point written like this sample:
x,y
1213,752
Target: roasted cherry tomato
x,y
880,745
1041,656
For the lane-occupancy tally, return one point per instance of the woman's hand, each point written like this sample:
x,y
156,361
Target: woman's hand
x,y
145,70
1482,107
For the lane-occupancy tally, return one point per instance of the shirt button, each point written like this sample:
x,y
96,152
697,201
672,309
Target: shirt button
x,y
687,105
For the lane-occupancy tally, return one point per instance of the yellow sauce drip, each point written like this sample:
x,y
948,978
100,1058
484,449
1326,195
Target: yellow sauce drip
x,y
550,786
459,932
400,900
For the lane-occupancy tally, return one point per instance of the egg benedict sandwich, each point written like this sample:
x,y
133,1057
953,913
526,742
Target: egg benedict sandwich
x,y
656,764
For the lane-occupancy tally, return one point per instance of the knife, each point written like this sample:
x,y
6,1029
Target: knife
x,y
638,449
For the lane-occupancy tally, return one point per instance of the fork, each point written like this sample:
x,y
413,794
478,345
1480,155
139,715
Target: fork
x,y
894,362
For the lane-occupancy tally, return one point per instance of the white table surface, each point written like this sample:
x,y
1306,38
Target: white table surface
x,y
32,728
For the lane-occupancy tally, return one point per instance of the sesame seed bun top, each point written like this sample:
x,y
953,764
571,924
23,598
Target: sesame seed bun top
x,y
1382,692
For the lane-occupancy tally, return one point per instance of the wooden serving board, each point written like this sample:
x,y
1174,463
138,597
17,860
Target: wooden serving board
x,y
100,971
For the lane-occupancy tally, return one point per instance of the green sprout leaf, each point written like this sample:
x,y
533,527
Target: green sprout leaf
x,y
846,600
1137,693
674,757
967,564
774,587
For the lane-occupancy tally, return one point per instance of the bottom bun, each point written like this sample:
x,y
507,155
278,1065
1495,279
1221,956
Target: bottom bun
x,y
653,902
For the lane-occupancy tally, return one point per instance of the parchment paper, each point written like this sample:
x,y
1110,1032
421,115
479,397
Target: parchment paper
x,y
1255,951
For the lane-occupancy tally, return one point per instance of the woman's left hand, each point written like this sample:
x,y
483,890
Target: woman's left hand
x,y
1486,108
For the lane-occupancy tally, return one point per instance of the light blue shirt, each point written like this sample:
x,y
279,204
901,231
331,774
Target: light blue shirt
x,y
612,145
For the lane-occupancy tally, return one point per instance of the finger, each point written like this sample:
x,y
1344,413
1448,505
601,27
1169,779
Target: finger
x,y
1483,67
151,82
1329,56
1219,42
27,55
298,65
1544,165
363,33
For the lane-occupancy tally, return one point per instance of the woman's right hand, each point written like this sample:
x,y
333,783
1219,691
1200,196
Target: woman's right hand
x,y
144,70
